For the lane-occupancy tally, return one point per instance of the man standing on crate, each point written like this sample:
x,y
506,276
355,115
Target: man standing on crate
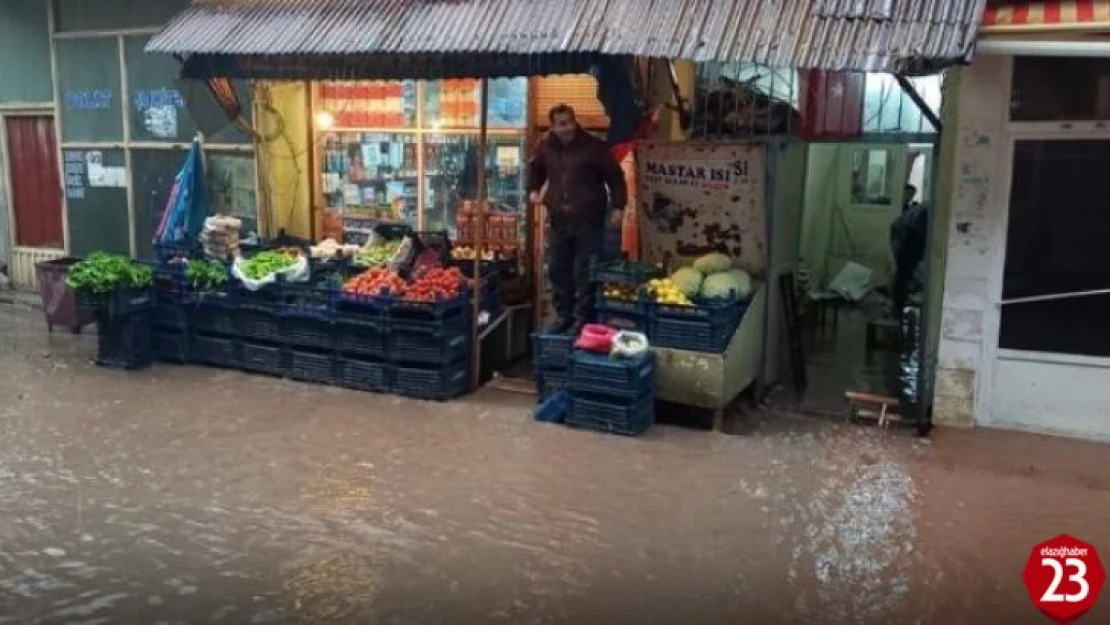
x,y
585,188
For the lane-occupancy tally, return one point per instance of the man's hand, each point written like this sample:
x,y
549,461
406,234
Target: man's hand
x,y
616,218
535,197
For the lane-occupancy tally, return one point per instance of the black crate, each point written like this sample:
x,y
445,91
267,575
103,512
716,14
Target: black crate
x,y
262,358
124,341
360,336
628,418
213,350
364,375
436,384
307,332
170,346
312,366
171,316
213,320
312,301
258,326
362,306
265,299
443,310
552,350
428,342
627,378
118,303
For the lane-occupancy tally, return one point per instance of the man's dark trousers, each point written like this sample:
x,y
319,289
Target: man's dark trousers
x,y
570,252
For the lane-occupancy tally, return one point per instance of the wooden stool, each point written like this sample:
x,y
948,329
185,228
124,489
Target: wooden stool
x,y
880,407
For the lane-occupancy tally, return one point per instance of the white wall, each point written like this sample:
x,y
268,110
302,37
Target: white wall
x,y
975,237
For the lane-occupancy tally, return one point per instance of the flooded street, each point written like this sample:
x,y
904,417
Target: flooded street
x,y
193,495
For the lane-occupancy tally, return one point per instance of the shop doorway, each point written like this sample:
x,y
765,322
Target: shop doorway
x,y
850,291
33,177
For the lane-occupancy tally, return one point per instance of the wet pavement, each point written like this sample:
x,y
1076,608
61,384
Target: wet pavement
x,y
192,495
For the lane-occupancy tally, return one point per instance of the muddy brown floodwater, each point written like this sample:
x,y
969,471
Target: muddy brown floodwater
x,y
192,495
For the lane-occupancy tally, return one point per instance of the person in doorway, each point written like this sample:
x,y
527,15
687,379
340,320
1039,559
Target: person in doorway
x,y
908,235
585,187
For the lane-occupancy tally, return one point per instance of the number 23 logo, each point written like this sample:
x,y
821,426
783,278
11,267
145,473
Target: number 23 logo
x,y
1079,577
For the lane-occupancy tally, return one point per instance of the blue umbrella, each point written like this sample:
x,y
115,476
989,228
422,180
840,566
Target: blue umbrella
x,y
188,205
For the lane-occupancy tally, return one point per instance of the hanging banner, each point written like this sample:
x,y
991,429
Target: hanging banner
x,y
697,198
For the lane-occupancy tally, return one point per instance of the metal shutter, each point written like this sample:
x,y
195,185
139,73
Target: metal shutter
x,y
577,90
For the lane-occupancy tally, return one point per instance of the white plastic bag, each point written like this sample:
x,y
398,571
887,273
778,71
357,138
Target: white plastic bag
x,y
297,272
629,344
403,255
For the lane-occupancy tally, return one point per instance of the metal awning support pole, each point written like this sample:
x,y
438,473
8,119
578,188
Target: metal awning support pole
x,y
476,292
908,87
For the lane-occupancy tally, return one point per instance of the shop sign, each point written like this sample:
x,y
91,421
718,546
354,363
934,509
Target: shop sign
x,y
696,198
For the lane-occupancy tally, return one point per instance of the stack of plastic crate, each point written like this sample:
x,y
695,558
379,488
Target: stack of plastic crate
x,y
613,395
550,359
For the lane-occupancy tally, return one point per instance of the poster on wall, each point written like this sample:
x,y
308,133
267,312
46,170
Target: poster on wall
x,y
697,198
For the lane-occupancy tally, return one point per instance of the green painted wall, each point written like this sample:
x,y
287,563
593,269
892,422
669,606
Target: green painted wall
x,y
25,52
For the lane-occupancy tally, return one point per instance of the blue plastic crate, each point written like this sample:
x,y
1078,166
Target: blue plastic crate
x,y
360,305
605,376
552,350
263,359
213,350
623,272
711,336
621,314
360,336
624,418
258,326
364,375
312,366
553,409
124,341
213,320
550,381
430,342
437,384
308,332
170,346
701,309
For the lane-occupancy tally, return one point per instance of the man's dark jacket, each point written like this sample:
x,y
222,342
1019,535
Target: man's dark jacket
x,y
583,180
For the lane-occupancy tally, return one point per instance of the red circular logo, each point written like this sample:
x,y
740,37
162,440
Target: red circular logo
x,y
1064,577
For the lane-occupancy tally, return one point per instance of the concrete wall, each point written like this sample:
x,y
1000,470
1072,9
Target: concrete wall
x,y
974,190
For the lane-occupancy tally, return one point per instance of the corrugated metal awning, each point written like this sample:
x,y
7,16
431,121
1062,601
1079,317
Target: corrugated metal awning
x,y
1059,15
389,35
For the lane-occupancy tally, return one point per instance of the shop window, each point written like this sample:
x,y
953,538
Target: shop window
x,y
366,104
1057,245
1059,88
88,15
97,201
24,53
231,183
887,108
451,176
89,80
373,173
871,177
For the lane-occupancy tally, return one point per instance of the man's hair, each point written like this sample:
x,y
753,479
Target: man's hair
x,y
560,109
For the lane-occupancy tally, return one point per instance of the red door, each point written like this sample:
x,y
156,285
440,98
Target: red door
x,y
36,186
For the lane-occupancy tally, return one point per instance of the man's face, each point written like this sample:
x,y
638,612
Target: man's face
x,y
564,127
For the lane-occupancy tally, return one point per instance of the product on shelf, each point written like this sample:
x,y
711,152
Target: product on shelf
x,y
220,236
329,248
622,292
